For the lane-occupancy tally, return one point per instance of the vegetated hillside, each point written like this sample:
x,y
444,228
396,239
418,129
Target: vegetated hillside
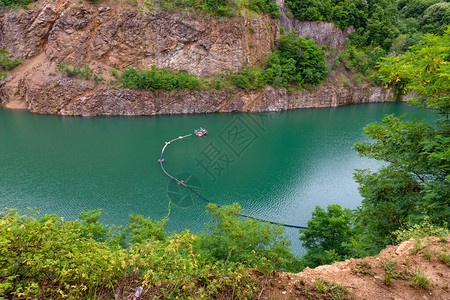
x,y
74,53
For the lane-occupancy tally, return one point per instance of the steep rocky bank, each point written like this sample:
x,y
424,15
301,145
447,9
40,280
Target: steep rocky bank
x,y
111,35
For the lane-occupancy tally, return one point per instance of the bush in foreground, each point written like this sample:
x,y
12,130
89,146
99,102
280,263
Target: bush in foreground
x,y
51,258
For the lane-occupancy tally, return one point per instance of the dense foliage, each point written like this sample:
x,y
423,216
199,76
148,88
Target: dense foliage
x,y
51,258
156,79
218,7
424,70
393,25
231,8
327,235
361,60
8,63
297,62
413,188
416,183
15,3
249,241
343,12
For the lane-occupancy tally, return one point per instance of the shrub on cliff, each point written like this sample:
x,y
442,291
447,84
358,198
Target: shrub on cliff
x,y
227,8
8,63
265,6
363,59
85,72
15,3
297,61
156,79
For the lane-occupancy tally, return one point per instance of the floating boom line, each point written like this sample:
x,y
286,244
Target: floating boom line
x,y
180,182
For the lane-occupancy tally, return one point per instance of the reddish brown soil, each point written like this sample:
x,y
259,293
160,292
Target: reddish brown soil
x,y
391,275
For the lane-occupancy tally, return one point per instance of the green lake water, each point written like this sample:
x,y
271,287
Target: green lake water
x,y
278,166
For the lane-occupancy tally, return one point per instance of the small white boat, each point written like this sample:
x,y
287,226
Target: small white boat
x,y
200,132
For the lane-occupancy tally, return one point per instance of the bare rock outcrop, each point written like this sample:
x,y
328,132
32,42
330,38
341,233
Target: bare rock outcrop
x,y
323,33
25,33
120,35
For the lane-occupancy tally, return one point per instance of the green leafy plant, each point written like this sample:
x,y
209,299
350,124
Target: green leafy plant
x,y
443,256
16,3
333,290
85,72
421,230
327,235
98,77
250,242
363,267
419,279
156,79
391,271
8,63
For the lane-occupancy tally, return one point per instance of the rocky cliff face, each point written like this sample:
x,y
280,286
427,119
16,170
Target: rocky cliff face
x,y
117,36
324,33
80,98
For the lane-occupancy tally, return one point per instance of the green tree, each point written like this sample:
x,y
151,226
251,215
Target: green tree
x,y
436,17
297,61
327,236
248,241
425,70
415,183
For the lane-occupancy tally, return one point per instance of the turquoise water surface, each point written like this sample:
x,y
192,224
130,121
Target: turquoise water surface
x,y
278,166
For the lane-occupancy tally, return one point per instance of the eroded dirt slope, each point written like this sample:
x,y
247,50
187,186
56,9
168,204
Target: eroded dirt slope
x,y
412,270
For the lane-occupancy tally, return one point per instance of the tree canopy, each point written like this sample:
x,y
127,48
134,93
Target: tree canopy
x,y
415,183
413,186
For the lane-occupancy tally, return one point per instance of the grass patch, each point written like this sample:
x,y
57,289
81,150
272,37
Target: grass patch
x,y
391,271
85,72
156,79
16,3
330,289
8,63
443,256
420,280
362,268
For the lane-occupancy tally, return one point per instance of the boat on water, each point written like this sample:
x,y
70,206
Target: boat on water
x,y
200,132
